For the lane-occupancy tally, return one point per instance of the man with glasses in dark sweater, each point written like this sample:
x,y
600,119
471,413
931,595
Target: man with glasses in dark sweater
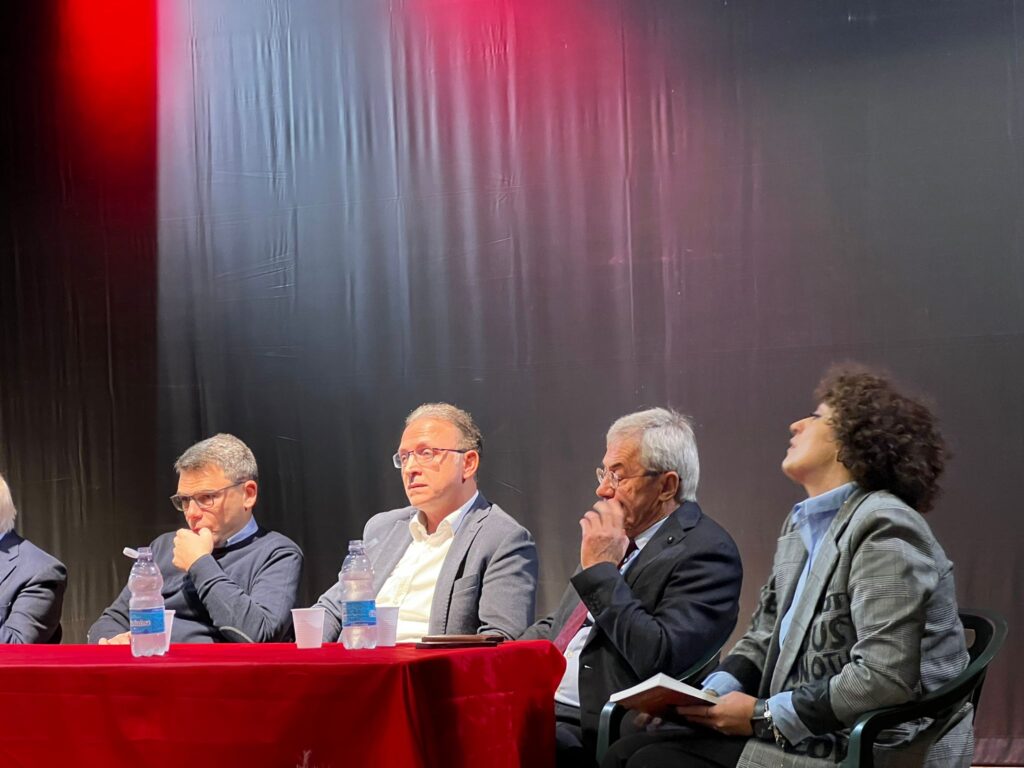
x,y
226,578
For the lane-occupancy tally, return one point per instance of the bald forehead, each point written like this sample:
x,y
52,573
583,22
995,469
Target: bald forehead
x,y
437,433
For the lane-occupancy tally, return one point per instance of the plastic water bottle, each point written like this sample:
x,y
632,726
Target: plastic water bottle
x,y
146,606
358,608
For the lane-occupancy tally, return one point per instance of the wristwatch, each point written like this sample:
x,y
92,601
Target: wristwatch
x,y
764,726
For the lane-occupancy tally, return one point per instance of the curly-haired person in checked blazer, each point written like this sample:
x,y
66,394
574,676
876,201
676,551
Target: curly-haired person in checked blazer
x,y
859,611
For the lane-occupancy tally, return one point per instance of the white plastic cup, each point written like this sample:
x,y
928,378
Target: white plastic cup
x,y
387,625
309,626
168,623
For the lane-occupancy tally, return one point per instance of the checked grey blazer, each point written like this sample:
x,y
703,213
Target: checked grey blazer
x,y
876,626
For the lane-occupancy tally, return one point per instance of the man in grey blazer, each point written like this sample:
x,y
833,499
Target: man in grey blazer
x,y
452,562
31,583
860,610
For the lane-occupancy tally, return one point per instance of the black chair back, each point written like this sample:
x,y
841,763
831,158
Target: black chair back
x,y
982,628
943,703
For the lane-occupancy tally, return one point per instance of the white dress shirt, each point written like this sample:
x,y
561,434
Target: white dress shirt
x,y
411,584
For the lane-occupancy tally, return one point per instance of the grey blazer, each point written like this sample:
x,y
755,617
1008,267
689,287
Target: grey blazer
x,y
876,625
487,583
31,591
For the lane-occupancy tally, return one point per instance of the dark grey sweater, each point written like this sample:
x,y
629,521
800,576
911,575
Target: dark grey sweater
x,y
250,585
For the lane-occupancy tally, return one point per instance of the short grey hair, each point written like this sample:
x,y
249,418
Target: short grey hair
x,y
225,451
471,438
667,444
7,509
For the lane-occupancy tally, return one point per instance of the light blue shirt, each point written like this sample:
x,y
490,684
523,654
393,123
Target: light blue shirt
x,y
247,530
811,518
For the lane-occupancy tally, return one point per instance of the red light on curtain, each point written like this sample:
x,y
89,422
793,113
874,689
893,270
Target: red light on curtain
x,y
108,72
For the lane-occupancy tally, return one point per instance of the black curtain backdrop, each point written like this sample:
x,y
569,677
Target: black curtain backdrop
x,y
549,213
78,427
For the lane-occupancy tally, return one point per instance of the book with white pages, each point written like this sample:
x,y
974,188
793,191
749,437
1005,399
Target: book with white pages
x,y
657,694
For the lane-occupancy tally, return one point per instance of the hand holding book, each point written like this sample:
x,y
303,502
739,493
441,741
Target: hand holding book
x,y
662,696
730,714
658,695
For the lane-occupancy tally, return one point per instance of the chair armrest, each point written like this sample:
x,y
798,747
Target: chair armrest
x,y
608,727
939,705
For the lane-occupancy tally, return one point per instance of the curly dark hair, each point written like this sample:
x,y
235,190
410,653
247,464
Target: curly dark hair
x,y
888,441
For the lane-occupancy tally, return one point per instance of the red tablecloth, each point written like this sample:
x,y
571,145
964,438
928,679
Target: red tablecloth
x,y
274,705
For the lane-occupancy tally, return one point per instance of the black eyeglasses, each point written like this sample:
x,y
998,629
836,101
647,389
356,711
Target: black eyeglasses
x,y
204,499
614,478
424,456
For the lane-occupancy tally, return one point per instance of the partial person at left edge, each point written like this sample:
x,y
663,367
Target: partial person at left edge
x,y
226,578
32,583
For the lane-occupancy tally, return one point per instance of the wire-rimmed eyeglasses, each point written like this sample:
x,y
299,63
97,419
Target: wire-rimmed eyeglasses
x,y
424,456
614,478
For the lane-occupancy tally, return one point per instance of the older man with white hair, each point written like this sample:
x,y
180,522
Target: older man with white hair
x,y
227,578
31,583
658,584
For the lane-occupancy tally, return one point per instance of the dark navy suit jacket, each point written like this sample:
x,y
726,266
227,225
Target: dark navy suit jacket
x,y
677,602
31,591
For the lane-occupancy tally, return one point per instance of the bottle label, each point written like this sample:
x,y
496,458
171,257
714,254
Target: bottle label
x,y
359,613
149,621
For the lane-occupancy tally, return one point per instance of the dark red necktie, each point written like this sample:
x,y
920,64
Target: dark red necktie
x,y
572,625
579,614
